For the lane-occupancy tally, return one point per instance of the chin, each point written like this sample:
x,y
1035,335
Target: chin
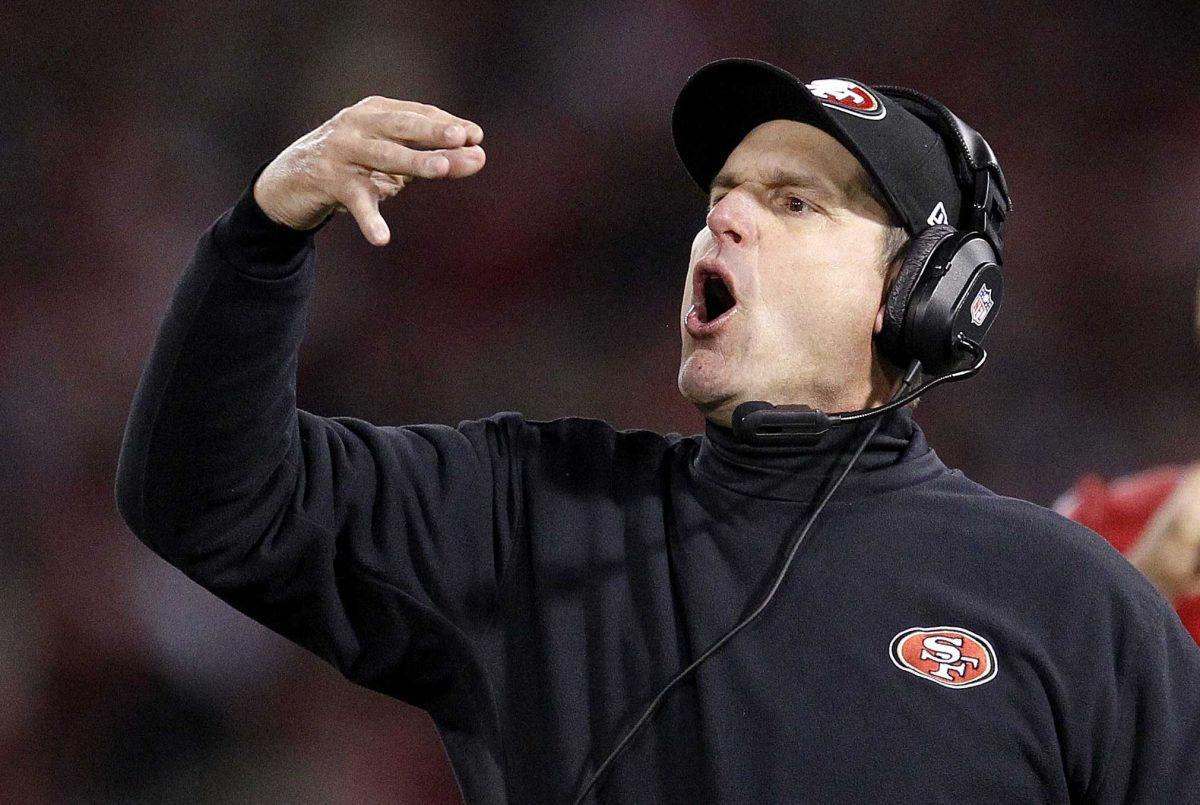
x,y
704,380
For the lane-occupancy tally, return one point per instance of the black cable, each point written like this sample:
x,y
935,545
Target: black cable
x,y
790,554
976,350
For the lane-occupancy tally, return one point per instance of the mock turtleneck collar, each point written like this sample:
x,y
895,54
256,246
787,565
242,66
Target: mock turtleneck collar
x,y
791,472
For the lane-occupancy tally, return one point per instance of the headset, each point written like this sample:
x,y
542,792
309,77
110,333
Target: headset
x,y
937,312
945,269
944,299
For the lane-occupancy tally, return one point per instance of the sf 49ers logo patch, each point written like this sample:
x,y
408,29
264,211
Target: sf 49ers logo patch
x,y
947,655
847,96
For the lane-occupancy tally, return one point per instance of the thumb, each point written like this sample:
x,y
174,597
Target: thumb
x,y
363,203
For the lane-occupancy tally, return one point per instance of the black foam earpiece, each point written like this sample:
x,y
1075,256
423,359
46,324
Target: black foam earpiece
x,y
922,247
950,283
949,286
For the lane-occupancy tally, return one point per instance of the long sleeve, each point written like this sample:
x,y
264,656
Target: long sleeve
x,y
377,548
1147,746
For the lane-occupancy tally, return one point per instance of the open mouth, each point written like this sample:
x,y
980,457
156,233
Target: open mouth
x,y
717,298
713,300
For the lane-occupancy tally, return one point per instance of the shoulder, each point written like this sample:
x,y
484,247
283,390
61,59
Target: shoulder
x,y
568,444
573,442
1013,523
1042,552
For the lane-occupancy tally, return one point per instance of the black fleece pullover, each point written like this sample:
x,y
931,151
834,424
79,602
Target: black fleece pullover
x,y
532,584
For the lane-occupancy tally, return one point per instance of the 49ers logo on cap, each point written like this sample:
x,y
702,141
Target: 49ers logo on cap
x,y
947,655
847,96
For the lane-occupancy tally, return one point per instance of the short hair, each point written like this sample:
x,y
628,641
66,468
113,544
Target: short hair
x,y
895,246
895,238
896,241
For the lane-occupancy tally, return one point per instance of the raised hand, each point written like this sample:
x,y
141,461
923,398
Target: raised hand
x,y
364,154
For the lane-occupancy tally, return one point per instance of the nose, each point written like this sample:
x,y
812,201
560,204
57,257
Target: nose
x,y
731,220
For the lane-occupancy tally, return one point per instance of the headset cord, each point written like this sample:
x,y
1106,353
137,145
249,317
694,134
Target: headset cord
x,y
913,370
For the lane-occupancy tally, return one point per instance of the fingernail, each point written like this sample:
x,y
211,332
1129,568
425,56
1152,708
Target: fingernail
x,y
455,132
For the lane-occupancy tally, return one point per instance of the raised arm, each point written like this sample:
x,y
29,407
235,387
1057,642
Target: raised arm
x,y
368,545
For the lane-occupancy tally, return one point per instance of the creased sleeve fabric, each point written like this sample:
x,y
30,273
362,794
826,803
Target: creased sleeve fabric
x,y
378,548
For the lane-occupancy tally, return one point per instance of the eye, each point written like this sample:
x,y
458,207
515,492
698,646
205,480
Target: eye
x,y
712,202
795,204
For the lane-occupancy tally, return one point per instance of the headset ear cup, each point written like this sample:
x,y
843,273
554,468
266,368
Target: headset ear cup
x,y
892,336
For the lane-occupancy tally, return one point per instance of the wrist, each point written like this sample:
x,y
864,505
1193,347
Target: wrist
x,y
265,188
256,243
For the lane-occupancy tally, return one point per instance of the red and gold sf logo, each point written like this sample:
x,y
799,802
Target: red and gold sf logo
x,y
947,655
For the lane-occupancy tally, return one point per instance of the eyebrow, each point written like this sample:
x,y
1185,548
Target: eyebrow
x,y
777,177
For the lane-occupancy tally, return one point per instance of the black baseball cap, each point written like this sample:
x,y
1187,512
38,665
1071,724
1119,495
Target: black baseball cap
x,y
909,161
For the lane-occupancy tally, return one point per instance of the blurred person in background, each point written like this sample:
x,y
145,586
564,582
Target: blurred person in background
x,y
1153,517
529,583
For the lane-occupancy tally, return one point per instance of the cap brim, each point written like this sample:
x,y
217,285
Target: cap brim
x,y
725,100
905,157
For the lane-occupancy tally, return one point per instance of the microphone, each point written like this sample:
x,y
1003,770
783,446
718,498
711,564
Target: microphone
x,y
760,423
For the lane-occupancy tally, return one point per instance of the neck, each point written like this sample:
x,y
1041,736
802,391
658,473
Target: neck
x,y
797,471
869,393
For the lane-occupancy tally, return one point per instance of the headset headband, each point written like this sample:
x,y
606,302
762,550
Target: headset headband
x,y
977,165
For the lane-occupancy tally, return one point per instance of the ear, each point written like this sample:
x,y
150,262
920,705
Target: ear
x,y
888,280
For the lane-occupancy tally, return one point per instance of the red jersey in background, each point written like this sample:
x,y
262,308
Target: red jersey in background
x,y
1119,510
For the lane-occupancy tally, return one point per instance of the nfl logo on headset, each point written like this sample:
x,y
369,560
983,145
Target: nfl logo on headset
x,y
981,306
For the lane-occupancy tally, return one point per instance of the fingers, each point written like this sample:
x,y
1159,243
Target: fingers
x,y
361,200
370,151
413,128
389,157
377,106
464,161
407,125
405,138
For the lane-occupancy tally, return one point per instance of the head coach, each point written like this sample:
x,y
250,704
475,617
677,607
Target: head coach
x,y
791,606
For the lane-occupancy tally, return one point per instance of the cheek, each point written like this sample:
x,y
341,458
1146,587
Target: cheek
x,y
822,294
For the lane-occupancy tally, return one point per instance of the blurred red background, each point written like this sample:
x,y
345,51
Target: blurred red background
x,y
549,284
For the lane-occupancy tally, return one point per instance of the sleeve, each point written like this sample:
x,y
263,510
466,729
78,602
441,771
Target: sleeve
x,y
380,549
1148,746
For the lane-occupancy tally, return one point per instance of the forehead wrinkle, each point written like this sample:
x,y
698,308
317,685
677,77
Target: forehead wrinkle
x,y
778,176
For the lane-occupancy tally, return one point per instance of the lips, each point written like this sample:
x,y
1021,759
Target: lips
x,y
714,299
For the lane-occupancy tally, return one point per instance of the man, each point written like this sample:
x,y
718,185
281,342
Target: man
x,y
534,584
